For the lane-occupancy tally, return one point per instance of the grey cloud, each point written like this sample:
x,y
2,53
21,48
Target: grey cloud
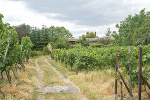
x,y
84,12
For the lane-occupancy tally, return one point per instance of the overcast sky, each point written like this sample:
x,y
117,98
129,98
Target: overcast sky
x,y
78,16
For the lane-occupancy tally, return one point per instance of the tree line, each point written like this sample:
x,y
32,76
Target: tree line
x,y
56,36
134,30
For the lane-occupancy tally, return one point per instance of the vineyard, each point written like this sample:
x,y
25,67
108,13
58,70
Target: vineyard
x,y
12,54
89,59
124,61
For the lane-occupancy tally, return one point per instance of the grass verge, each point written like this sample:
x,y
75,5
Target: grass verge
x,y
61,67
26,88
49,76
61,96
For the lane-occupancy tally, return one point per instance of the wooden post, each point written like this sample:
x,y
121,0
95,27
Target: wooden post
x,y
140,73
121,91
145,81
6,51
125,83
77,61
130,86
116,69
16,66
78,53
59,55
67,61
13,72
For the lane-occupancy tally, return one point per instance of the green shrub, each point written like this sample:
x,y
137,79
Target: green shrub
x,y
33,53
45,51
97,45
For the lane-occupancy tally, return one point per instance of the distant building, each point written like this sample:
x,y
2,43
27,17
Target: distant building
x,y
93,40
73,40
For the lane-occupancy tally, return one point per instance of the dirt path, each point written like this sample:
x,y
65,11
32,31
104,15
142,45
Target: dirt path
x,y
71,88
40,97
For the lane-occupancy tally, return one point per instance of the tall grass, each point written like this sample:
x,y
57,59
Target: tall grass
x,y
26,88
98,85
61,96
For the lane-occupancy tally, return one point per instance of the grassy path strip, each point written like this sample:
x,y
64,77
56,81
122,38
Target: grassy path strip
x,y
41,97
71,87
53,87
49,76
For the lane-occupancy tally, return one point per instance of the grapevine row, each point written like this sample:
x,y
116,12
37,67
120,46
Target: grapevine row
x,y
11,52
88,58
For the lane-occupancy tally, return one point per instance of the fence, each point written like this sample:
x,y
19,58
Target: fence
x,y
140,77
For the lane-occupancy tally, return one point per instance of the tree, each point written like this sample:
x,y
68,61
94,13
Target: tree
x,y
58,37
44,36
41,37
117,40
90,35
23,30
142,34
55,33
83,41
107,37
62,43
35,36
106,40
108,33
52,36
128,33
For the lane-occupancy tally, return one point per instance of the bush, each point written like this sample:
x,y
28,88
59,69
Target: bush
x,y
97,45
46,51
33,53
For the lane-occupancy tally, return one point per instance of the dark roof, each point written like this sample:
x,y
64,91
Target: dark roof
x,y
90,39
72,39
93,39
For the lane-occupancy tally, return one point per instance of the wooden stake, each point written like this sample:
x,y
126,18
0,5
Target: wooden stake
x,y
121,91
59,55
125,83
116,68
140,73
145,81
13,72
130,86
16,66
78,61
6,51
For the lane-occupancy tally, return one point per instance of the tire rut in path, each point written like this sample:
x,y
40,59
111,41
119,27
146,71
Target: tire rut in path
x,y
40,97
71,87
